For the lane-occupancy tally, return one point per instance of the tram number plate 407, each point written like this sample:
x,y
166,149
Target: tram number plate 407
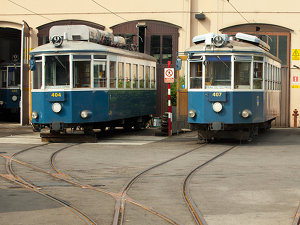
x,y
56,96
217,96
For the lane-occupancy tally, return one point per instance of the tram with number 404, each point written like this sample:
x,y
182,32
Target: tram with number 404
x,y
234,86
86,80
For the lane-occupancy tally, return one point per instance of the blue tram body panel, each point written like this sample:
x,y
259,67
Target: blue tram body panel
x,y
263,106
104,105
6,96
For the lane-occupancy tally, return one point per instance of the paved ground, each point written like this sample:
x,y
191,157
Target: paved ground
x,y
255,183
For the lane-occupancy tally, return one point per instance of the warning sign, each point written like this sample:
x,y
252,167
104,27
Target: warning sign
x,y
169,75
295,54
295,82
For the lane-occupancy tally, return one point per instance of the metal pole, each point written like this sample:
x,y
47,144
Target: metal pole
x,y
169,106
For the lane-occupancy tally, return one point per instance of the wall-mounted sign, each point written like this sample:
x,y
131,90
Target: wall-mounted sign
x,y
169,75
295,54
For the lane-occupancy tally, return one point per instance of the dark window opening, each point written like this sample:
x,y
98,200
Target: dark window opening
x,y
141,38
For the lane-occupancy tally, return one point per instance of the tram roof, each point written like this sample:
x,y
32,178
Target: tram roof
x,y
87,47
231,46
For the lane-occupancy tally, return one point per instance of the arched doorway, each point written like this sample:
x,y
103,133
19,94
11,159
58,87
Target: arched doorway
x,y
279,39
156,38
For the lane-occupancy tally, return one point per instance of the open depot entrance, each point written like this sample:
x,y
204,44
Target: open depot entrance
x,y
10,54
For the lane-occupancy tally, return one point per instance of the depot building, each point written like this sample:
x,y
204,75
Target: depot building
x,y
158,28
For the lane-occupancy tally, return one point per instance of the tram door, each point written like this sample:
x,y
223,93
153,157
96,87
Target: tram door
x,y
25,81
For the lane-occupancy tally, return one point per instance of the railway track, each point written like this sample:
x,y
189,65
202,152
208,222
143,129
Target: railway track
x,y
13,177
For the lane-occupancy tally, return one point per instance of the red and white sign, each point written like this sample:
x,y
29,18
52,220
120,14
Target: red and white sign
x,y
169,75
295,79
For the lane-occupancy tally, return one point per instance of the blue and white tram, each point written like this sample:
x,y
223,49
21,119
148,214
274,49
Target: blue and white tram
x,y
10,88
80,83
234,86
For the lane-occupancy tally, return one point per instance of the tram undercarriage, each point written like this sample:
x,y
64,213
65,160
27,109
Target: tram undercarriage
x,y
219,130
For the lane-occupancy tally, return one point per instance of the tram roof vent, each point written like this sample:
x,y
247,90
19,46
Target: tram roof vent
x,y
252,39
212,39
86,33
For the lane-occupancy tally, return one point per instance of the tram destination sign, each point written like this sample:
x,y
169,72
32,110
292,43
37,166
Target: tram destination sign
x,y
169,75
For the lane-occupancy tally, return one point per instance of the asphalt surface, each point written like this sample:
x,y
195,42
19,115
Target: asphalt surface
x,y
255,183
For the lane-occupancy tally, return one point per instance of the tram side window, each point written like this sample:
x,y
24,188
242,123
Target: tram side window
x,y
128,75
257,75
57,71
141,76
112,72
120,75
100,77
37,76
196,75
147,76
134,75
152,77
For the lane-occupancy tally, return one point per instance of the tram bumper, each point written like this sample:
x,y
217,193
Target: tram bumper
x,y
57,126
216,126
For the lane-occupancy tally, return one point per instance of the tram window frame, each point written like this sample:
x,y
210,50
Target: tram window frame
x,y
13,78
121,80
152,77
4,78
100,75
37,78
257,80
141,76
221,60
147,76
194,70
240,76
113,74
82,79
135,80
128,75
54,75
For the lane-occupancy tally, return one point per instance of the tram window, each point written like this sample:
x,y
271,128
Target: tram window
x,y
196,75
37,76
128,75
134,75
82,74
120,75
100,76
218,72
257,75
57,70
141,76
147,76
242,75
13,76
152,77
112,72
3,78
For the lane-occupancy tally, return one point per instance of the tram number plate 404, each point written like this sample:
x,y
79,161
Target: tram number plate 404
x,y
56,96
217,96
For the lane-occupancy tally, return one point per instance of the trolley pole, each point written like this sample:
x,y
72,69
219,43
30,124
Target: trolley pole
x,y
169,106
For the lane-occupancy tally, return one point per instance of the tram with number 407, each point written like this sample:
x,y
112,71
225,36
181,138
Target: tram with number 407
x,y
85,79
234,86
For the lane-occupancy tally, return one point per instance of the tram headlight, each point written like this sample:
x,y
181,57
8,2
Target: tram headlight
x,y
217,107
192,113
34,115
85,114
246,113
14,98
56,107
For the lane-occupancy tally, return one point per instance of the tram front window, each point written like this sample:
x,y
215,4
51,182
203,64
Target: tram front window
x,y
57,71
13,76
218,72
242,75
196,75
